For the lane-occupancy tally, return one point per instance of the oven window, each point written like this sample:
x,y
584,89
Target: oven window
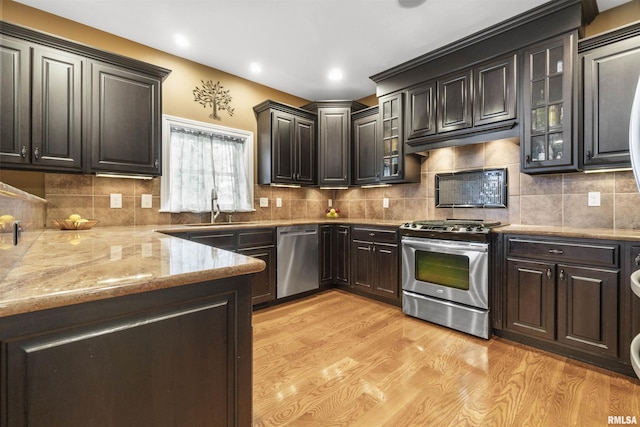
x,y
443,269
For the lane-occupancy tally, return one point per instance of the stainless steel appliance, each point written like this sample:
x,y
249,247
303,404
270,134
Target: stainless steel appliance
x,y
445,273
297,264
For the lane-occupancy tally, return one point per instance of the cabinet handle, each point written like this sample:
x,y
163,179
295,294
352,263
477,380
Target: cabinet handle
x,y
372,234
345,232
373,249
528,159
36,153
549,273
561,274
157,164
556,251
23,152
589,155
637,260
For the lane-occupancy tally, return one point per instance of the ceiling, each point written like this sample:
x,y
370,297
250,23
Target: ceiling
x,y
296,43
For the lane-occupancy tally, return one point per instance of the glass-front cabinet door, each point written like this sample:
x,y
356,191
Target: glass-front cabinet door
x,y
549,144
391,118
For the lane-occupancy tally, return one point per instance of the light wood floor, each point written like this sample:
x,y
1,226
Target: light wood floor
x,y
337,359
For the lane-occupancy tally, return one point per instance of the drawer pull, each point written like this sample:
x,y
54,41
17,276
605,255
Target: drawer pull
x,y
549,273
561,274
556,251
372,234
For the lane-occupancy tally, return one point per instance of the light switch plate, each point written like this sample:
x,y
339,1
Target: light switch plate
x,y
146,202
264,202
385,202
593,198
116,201
278,202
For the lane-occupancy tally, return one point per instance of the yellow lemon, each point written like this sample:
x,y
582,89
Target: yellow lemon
x,y
6,219
75,217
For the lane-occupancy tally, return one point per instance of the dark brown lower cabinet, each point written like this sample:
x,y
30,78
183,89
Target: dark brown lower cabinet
x,y
178,356
255,242
327,257
566,296
375,259
342,248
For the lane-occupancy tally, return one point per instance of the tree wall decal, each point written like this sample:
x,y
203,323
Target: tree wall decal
x,y
213,94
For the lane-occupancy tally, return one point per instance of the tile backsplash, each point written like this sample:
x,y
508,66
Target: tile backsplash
x,y
555,200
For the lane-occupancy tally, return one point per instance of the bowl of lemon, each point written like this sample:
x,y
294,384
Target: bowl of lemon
x,y
74,222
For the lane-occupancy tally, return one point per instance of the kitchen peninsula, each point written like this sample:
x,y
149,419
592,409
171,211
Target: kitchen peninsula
x,y
124,326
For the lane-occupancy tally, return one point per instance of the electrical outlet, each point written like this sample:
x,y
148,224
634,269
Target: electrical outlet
x,y
385,202
278,202
593,198
146,202
116,201
330,203
264,202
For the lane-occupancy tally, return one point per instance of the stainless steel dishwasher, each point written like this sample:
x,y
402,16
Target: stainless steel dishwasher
x,y
297,265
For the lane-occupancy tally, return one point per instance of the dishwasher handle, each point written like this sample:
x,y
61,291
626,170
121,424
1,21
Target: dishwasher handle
x,y
297,232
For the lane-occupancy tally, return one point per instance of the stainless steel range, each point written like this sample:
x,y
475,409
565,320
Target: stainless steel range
x,y
445,273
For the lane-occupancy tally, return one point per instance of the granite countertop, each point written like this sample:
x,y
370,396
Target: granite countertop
x,y
54,268
583,233
181,228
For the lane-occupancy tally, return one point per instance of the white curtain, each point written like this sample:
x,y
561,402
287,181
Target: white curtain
x,y
198,161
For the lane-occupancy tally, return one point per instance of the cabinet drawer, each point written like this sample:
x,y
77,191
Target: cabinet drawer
x,y
375,235
605,255
224,240
256,238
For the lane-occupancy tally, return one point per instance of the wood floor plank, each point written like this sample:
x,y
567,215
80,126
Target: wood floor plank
x,y
337,359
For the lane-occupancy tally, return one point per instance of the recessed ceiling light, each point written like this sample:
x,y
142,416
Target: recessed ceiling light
x,y
181,40
335,74
410,4
255,67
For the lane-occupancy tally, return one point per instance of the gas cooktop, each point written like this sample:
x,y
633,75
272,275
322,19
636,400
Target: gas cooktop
x,y
455,229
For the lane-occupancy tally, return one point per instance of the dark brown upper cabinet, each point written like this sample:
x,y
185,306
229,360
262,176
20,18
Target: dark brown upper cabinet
x,y
286,144
396,166
610,69
334,141
455,102
125,120
549,142
366,166
67,107
40,107
421,111
495,91
463,104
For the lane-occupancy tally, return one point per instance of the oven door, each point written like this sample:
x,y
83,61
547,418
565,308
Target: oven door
x,y
445,269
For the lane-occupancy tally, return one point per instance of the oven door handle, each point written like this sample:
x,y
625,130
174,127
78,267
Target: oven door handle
x,y
419,243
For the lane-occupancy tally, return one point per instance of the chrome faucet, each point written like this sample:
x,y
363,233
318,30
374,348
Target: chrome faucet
x,y
215,207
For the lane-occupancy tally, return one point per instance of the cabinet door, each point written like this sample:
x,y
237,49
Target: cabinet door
x,y
263,284
57,109
305,151
367,161
454,102
610,76
495,91
421,111
588,309
548,143
334,146
125,121
386,259
342,260
15,140
283,136
326,254
531,298
362,270
392,138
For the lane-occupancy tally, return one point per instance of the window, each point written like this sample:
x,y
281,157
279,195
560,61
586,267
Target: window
x,y
198,157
